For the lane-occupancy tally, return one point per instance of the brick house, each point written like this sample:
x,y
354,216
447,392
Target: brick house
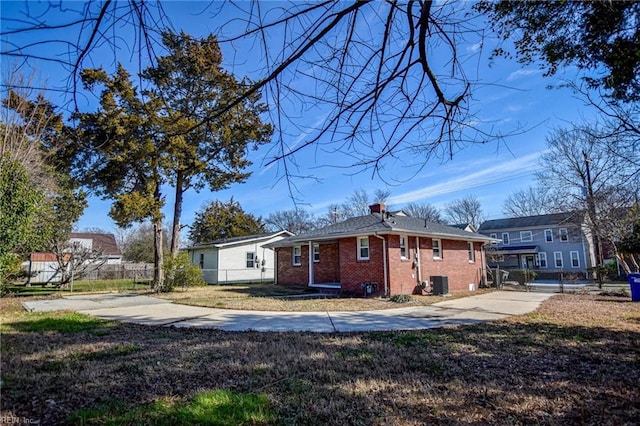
x,y
382,254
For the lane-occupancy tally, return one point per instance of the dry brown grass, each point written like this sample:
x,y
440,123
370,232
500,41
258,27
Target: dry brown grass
x,y
574,361
269,297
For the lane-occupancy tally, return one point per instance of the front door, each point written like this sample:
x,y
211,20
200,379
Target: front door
x,y
529,262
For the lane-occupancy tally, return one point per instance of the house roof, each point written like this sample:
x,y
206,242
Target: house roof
x,y
374,224
222,242
104,242
569,218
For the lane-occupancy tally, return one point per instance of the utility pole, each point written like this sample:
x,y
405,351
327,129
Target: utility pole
x,y
591,208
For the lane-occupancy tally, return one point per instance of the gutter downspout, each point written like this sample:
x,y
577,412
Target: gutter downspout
x,y
384,263
311,264
418,265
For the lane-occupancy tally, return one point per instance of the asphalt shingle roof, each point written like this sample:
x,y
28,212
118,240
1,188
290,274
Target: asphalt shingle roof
x,y
374,224
554,219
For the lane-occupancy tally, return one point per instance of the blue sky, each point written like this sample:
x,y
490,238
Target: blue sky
x,y
508,96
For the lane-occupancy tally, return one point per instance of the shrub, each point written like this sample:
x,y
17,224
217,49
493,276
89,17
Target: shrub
x,y
401,298
181,272
522,276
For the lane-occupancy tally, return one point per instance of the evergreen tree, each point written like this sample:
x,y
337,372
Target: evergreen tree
x,y
219,220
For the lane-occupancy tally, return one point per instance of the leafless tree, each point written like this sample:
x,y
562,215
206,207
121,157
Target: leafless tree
x,y
75,260
386,78
296,221
466,210
592,177
424,211
533,201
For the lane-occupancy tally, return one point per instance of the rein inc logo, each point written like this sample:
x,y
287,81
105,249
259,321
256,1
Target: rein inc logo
x,y
12,420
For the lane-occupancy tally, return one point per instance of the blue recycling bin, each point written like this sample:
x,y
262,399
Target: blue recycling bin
x,y
634,282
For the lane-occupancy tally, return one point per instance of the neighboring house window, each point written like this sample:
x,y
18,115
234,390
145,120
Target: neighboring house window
x,y
403,247
363,248
542,259
470,252
575,260
296,256
505,238
526,236
251,259
201,260
437,248
564,236
316,253
557,256
548,235
493,235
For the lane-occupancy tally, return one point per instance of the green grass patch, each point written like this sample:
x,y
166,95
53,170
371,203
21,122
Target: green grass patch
x,y
82,286
61,322
218,407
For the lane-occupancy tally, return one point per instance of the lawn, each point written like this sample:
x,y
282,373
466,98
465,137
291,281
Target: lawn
x,y
576,360
271,297
80,286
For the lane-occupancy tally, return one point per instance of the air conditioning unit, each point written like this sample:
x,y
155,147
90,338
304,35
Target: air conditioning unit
x,y
439,284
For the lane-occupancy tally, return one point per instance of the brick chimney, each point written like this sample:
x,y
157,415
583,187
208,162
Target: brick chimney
x,y
377,208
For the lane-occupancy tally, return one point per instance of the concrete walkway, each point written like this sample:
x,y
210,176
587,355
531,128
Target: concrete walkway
x,y
146,310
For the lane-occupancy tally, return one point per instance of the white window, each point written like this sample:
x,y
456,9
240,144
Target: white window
x,y
296,256
526,236
575,260
316,253
505,238
201,263
363,248
403,247
251,259
542,259
557,257
548,235
437,248
564,235
470,252
493,235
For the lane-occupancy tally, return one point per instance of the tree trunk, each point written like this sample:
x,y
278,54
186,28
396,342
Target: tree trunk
x,y
158,256
177,213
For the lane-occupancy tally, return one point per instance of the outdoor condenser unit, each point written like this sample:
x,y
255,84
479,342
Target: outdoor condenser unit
x,y
440,284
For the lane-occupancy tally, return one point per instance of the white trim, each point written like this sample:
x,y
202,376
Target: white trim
x,y
527,240
542,255
507,241
404,243
439,248
359,247
555,259
294,255
571,258
471,252
550,233
566,233
316,245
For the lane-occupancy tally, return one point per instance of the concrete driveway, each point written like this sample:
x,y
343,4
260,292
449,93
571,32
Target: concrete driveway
x,y
146,310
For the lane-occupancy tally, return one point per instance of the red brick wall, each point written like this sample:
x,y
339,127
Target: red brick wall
x,y
354,272
339,263
328,269
454,263
325,271
289,274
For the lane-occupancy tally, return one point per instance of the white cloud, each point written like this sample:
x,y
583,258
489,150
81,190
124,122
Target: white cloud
x,y
521,74
496,173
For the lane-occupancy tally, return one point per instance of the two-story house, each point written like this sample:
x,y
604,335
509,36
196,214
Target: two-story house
x,y
550,244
